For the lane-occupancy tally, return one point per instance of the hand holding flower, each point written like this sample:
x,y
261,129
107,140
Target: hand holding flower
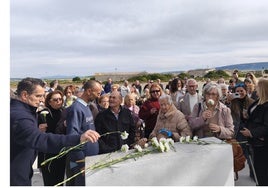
x,y
43,127
90,135
142,142
207,114
214,127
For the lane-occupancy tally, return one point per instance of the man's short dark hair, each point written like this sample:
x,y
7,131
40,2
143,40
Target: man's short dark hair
x,y
53,83
235,71
90,84
29,84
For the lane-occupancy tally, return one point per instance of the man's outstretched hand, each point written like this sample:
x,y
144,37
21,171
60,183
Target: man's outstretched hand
x,y
90,135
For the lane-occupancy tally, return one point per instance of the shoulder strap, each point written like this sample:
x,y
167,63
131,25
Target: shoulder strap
x,y
199,108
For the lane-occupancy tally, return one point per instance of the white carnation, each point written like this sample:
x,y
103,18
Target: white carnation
x,y
211,102
138,148
187,139
182,138
195,138
124,135
124,148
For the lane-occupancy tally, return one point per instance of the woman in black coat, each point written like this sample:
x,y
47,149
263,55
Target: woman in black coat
x,y
257,132
53,173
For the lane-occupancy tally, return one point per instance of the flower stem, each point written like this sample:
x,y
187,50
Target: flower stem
x,y
70,178
64,151
101,165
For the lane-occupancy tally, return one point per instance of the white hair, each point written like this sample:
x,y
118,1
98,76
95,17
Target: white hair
x,y
211,86
167,97
223,86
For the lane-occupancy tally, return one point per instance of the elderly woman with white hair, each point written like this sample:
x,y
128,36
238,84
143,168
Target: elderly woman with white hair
x,y
171,122
211,117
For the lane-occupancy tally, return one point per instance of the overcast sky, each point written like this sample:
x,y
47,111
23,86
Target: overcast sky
x,y
82,37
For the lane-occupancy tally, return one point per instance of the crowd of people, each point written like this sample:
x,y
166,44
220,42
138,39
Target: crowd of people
x,y
45,119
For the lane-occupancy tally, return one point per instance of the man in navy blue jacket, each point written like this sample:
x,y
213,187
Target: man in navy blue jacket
x,y
79,119
26,138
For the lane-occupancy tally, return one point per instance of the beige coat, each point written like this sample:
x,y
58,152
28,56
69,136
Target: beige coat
x,y
225,121
174,121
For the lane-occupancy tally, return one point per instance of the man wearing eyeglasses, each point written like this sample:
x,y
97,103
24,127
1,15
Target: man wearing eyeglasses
x,y
186,103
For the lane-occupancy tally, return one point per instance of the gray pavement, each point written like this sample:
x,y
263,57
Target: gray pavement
x,y
37,179
243,180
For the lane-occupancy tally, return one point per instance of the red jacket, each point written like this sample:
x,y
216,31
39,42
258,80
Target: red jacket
x,y
145,114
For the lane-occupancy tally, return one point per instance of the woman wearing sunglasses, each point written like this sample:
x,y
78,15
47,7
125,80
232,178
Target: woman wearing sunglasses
x,y
150,108
48,119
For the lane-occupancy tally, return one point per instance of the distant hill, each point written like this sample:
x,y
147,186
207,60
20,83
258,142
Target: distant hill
x,y
56,77
246,66
243,67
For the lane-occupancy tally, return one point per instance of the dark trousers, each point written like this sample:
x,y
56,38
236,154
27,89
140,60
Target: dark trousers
x,y
261,164
54,172
72,169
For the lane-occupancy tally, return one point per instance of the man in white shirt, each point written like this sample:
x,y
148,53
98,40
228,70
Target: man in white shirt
x,y
125,89
186,103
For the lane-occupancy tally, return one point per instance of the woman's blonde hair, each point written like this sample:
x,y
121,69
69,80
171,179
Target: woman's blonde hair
x,y
128,96
117,86
155,85
252,77
262,90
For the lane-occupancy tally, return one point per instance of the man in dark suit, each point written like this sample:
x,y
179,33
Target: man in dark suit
x,y
26,138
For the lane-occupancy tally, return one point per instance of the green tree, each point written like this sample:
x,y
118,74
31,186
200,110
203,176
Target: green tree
x,y
154,76
76,79
216,74
183,75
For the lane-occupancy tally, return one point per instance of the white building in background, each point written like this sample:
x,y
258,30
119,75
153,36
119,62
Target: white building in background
x,y
199,72
117,76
